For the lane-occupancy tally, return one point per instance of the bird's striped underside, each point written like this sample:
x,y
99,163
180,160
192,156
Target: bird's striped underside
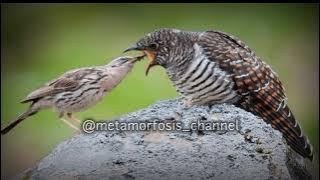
x,y
205,83
225,70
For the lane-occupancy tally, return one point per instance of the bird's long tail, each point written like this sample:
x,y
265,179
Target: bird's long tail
x,y
283,120
31,111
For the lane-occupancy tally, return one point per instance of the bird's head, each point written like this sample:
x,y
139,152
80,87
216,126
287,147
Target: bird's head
x,y
125,61
164,46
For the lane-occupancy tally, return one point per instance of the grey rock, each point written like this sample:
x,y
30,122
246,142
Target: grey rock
x,y
253,150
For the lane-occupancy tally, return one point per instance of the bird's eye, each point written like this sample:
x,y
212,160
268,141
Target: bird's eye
x,y
153,46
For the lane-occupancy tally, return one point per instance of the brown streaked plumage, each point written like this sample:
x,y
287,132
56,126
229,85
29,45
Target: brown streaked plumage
x,y
76,90
213,67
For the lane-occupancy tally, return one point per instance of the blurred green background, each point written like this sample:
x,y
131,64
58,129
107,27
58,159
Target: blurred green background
x,y
41,41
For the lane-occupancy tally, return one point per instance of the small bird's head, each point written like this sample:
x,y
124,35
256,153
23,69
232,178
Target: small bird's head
x,y
164,46
125,61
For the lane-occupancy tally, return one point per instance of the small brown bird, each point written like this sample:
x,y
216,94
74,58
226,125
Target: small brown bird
x,y
76,90
213,67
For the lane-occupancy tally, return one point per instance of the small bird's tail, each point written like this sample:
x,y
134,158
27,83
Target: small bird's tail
x,y
31,111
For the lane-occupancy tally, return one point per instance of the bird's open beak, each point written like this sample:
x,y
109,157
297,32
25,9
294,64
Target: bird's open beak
x,y
151,55
138,58
152,61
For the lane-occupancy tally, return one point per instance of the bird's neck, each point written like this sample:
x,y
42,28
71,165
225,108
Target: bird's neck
x,y
122,71
179,64
176,70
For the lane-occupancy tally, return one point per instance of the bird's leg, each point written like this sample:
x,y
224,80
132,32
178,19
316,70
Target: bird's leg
x,y
210,106
186,104
73,118
70,125
183,105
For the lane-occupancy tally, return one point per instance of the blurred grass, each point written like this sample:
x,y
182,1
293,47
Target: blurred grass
x,y
41,41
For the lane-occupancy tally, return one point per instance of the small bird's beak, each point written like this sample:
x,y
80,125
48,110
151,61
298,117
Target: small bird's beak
x,y
138,58
152,56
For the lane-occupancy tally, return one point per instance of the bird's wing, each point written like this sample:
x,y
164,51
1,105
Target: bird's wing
x,y
261,90
66,82
247,70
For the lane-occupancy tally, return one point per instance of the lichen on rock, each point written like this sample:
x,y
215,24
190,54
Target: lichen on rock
x,y
254,151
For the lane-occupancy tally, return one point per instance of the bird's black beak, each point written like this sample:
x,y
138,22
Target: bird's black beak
x,y
133,48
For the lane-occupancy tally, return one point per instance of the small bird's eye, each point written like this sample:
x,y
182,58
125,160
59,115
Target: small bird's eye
x,y
153,46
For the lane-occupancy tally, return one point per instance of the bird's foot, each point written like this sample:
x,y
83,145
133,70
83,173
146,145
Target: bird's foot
x,y
183,106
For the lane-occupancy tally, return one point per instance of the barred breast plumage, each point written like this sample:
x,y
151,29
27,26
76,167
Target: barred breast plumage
x,y
214,67
204,82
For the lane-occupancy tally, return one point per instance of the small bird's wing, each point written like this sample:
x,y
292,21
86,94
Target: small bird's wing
x,y
65,82
261,91
60,85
